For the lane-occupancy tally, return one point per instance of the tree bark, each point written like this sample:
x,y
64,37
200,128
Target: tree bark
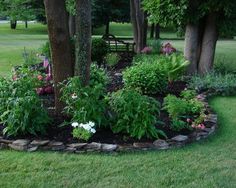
x,y
139,22
13,24
209,41
191,47
57,19
72,25
26,24
107,27
157,31
152,31
83,40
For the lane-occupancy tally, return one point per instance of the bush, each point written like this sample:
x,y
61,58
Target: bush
x,y
99,50
146,78
87,103
112,59
155,46
21,109
45,50
30,58
217,83
136,115
183,110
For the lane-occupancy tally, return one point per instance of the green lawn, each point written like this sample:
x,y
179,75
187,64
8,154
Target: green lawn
x,y
208,164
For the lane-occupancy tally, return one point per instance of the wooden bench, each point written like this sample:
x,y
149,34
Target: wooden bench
x,y
125,45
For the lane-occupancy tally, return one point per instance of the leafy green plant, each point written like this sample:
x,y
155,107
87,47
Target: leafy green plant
x,y
30,57
83,131
45,50
155,45
99,50
146,78
136,115
112,59
182,109
224,84
21,109
87,103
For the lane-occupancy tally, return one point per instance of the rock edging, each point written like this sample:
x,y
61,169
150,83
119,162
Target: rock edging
x,y
177,141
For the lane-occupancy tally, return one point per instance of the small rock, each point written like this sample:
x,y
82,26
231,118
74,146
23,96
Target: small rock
x,y
93,146
77,145
211,118
180,138
143,145
109,147
161,144
56,146
70,150
39,142
125,148
32,149
5,141
118,74
21,142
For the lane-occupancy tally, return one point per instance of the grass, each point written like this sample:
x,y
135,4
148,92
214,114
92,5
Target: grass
x,y
207,164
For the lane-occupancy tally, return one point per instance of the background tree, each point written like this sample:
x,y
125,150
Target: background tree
x,y
203,20
140,24
57,20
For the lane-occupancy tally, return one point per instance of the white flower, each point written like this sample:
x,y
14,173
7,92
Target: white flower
x,y
91,124
74,96
93,131
75,124
86,127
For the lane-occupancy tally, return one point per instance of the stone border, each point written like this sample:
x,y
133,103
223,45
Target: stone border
x,y
177,141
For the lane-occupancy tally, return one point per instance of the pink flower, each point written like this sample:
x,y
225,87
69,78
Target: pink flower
x,y
40,77
48,89
193,126
14,77
40,91
189,120
146,50
48,77
168,49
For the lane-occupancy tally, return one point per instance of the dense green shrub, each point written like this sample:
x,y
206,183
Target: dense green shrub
x,y
182,109
21,110
136,115
148,78
99,50
87,103
224,84
112,59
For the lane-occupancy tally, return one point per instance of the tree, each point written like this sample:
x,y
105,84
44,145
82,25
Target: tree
x,y
203,21
57,20
140,24
83,40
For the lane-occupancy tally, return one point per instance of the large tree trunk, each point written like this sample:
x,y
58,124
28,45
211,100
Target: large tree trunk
x,y
72,25
83,40
191,52
139,22
59,37
107,31
13,24
209,41
157,31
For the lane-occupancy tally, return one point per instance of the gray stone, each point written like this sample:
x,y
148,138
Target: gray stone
x,y
56,146
39,142
125,148
5,141
3,146
33,149
93,146
143,145
161,144
109,147
77,145
70,150
211,118
180,138
21,142
20,145
118,74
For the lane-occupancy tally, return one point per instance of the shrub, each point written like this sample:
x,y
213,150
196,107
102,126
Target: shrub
x,y
136,115
99,50
30,58
155,46
87,103
112,59
217,83
181,110
21,109
146,78
83,131
45,50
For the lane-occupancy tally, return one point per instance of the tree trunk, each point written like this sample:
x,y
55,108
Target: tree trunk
x,y
157,31
83,40
152,31
57,19
139,22
107,27
13,24
191,47
26,24
72,25
209,41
